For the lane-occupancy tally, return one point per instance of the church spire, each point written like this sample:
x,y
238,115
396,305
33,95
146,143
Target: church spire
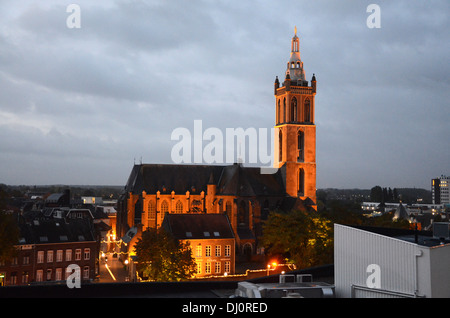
x,y
295,64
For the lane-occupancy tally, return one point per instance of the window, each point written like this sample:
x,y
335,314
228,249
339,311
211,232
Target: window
x,y
68,255
227,250
78,254
300,145
208,250
294,109
39,275
218,250
207,268
87,253
284,110
179,207
217,267
280,146
151,211
279,112
49,274
199,267
199,251
307,110
58,274
164,207
49,256
40,257
25,276
301,181
59,255
228,209
227,267
86,272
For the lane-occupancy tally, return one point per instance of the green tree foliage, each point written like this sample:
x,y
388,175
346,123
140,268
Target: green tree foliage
x,y
163,258
305,239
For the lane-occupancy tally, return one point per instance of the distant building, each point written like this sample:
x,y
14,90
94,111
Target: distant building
x,y
211,240
383,262
440,190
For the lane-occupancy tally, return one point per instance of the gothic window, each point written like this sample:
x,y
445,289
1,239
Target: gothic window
x,y
179,207
243,217
278,112
294,109
280,145
301,182
151,211
284,110
300,145
307,110
164,207
228,210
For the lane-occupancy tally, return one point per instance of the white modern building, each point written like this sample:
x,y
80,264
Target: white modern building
x,y
370,264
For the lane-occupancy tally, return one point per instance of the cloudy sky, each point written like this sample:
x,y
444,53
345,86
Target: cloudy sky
x,y
81,105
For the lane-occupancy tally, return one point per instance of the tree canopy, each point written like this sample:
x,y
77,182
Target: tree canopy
x,y
302,238
163,258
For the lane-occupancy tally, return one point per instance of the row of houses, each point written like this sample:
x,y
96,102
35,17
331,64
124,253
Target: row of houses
x,y
56,236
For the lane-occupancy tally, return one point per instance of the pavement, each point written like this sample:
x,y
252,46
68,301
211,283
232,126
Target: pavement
x,y
112,271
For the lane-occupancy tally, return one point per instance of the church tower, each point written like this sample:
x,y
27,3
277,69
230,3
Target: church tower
x,y
295,131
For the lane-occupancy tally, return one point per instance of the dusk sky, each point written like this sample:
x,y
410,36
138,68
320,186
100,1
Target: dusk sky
x,y
79,106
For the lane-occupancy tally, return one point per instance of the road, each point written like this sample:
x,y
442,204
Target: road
x,y
112,271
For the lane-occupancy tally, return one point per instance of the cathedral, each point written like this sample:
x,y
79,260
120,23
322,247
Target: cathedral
x,y
243,194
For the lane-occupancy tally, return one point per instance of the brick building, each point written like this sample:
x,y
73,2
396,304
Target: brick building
x,y
244,194
49,242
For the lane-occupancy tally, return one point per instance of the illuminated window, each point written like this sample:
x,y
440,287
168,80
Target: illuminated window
x,y
40,257
227,250
151,211
208,250
227,267
87,253
78,254
217,267
218,250
199,251
207,268
164,207
68,255
179,207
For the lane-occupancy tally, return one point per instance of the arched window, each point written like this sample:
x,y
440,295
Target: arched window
x,y
279,112
164,207
294,109
151,211
179,207
228,210
284,110
300,145
301,182
280,146
307,110
243,217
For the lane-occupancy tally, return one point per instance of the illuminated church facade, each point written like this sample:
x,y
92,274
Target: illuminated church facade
x,y
243,194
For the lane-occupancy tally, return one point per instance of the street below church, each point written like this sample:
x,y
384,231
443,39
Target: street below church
x,y
112,271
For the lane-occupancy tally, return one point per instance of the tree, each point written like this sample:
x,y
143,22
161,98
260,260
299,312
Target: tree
x,y
376,194
302,238
163,258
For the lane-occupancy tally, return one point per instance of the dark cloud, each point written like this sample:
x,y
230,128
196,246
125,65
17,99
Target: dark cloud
x,y
80,105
